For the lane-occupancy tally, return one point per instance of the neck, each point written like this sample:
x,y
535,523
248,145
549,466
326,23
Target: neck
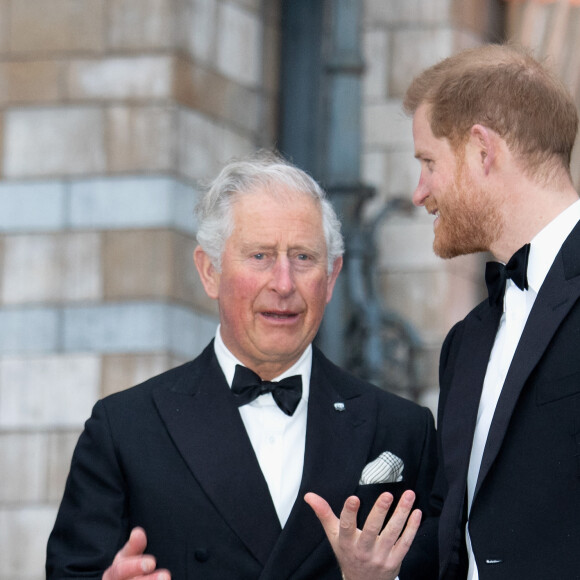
x,y
526,213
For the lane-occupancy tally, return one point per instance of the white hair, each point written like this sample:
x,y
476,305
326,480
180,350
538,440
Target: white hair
x,y
239,177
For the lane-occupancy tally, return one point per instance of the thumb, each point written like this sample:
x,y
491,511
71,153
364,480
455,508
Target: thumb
x,y
323,511
135,545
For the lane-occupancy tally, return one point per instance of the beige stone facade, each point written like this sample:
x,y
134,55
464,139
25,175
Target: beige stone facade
x,y
111,114
111,111
400,39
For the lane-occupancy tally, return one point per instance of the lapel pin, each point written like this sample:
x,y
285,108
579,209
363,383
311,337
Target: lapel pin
x,y
339,406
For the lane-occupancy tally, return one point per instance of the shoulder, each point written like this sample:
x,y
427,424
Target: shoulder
x,y
351,386
180,378
455,334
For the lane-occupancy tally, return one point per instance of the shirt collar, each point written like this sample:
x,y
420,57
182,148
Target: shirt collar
x,y
546,244
228,362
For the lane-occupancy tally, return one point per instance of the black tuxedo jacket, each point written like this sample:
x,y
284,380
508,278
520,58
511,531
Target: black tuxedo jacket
x,y
172,455
525,516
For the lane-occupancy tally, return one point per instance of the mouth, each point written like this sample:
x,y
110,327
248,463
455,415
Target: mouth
x,y
435,213
431,207
275,315
433,210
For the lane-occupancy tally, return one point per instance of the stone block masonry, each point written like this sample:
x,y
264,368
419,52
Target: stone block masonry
x,y
111,114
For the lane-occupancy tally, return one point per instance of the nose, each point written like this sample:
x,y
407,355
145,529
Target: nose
x,y
421,192
283,276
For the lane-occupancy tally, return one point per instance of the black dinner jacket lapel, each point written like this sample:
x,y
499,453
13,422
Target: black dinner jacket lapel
x,y
558,294
206,427
337,448
459,419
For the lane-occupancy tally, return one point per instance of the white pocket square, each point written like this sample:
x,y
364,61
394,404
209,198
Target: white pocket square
x,y
386,468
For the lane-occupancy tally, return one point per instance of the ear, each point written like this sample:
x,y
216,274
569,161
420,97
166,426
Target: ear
x,y
484,142
210,277
336,268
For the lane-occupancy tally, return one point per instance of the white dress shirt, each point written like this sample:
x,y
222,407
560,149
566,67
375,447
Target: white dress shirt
x,y
517,307
278,440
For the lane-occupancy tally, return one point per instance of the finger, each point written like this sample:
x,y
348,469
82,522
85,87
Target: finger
x,y
159,575
129,561
348,519
403,544
323,512
375,520
396,523
132,567
135,545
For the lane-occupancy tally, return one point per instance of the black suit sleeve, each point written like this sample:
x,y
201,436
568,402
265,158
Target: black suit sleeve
x,y
421,562
91,525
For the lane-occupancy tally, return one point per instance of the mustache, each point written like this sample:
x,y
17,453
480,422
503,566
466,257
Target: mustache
x,y
430,205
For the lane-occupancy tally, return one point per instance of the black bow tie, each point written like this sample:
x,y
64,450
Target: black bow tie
x,y
496,275
247,386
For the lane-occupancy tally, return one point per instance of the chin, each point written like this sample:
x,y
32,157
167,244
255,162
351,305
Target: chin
x,y
451,248
279,350
448,252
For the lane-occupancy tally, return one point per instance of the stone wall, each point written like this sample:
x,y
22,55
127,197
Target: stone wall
x,y
111,113
401,38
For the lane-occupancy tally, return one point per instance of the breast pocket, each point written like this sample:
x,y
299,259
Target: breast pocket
x,y
558,388
558,415
368,495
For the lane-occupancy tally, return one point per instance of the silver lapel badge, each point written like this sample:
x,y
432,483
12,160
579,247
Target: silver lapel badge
x,y
339,406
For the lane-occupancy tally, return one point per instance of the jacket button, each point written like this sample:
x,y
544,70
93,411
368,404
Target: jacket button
x,y
201,555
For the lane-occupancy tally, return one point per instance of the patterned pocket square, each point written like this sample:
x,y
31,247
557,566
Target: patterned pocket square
x,y
386,468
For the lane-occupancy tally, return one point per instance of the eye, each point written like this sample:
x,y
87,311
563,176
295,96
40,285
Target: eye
x,y
303,257
259,256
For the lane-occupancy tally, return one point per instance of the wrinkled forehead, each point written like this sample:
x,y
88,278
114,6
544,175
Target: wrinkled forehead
x,y
277,192
267,213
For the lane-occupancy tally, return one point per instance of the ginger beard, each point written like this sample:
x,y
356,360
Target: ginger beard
x,y
469,220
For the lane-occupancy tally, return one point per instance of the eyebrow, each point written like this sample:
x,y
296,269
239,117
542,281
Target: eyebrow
x,y
316,249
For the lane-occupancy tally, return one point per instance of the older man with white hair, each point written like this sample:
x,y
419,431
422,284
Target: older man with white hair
x,y
206,465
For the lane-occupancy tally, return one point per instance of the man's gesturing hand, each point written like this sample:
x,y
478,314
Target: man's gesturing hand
x,y
369,554
131,562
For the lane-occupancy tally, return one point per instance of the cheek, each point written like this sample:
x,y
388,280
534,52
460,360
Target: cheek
x,y
243,290
441,185
237,293
448,193
240,282
318,294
